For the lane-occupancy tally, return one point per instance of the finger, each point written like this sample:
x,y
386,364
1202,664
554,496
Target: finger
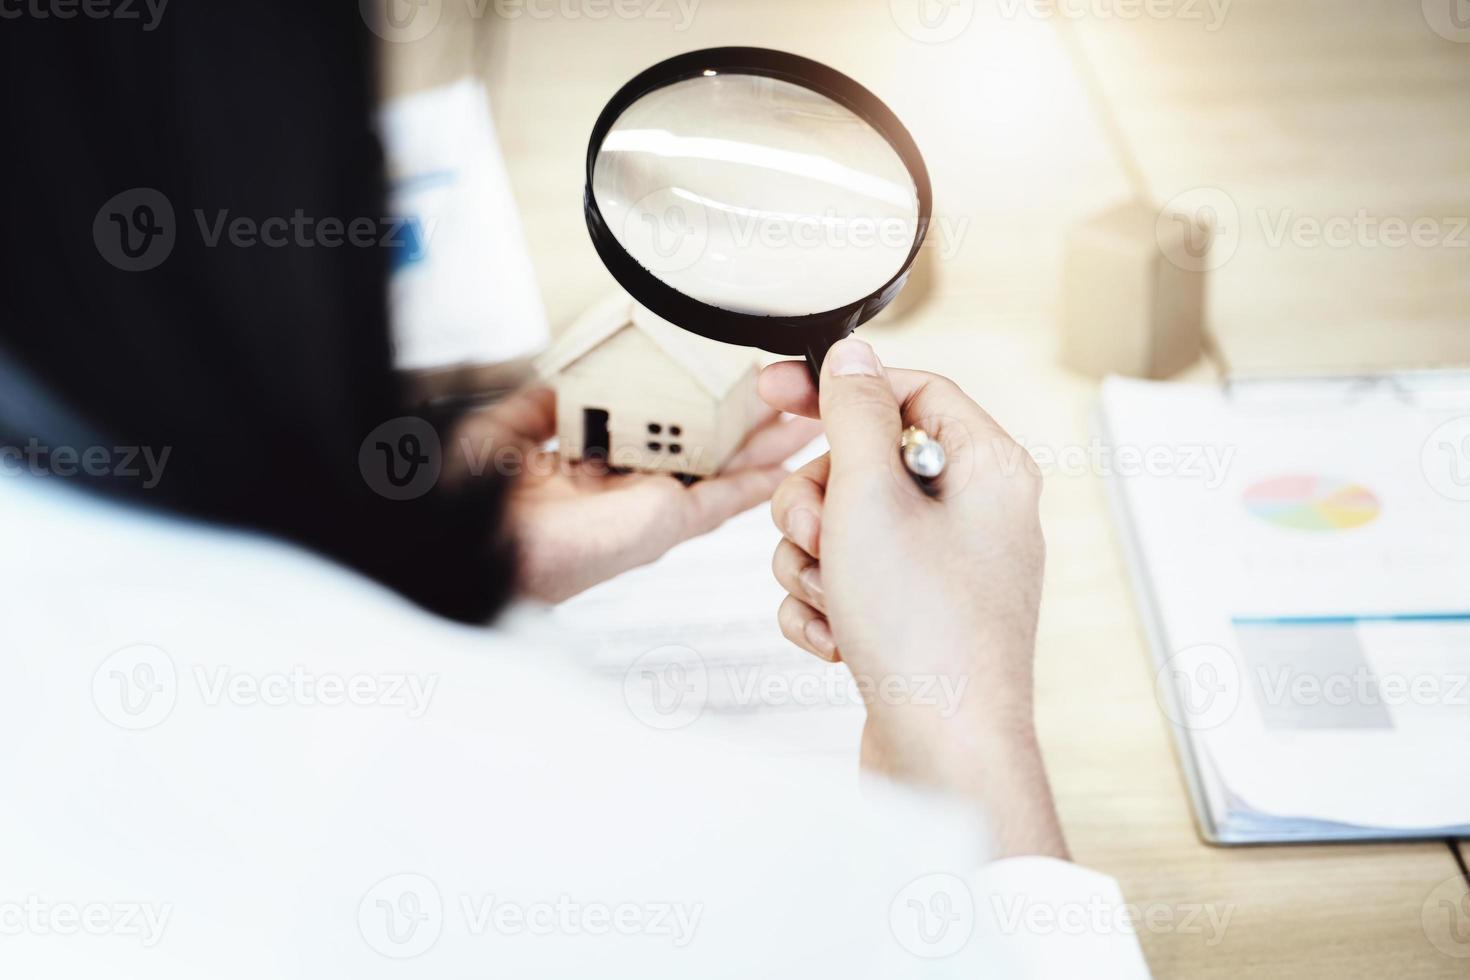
x,y
787,386
710,503
773,443
859,408
808,629
527,416
529,413
796,506
799,574
973,441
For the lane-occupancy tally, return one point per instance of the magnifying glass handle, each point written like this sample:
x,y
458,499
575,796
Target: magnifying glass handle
x,y
816,352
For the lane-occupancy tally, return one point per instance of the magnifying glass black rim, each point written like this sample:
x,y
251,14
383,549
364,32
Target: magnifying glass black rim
x,y
810,334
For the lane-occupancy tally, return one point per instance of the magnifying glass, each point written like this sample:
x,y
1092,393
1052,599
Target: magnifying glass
x,y
756,197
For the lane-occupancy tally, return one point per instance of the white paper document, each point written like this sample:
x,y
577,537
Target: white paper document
x,y
1307,595
463,291
694,639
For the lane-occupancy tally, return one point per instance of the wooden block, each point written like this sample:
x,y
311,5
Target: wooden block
x,y
1133,293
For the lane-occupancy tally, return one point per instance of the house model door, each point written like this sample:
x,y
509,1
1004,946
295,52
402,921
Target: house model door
x,y
596,443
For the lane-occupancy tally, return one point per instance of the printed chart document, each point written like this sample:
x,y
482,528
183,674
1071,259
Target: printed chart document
x,y
1307,596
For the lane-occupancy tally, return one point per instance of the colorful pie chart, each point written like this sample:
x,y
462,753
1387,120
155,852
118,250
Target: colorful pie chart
x,y
1312,503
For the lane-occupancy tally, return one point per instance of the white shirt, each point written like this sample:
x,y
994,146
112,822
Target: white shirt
x,y
226,757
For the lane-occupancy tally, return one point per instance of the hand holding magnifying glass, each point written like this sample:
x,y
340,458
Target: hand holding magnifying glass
x,y
759,198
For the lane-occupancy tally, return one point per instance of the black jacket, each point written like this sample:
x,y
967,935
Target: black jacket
x,y
260,361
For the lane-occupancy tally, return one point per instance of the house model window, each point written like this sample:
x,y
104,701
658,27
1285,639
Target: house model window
x,y
642,394
675,431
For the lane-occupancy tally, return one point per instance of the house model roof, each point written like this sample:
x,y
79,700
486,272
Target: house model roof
x,y
716,366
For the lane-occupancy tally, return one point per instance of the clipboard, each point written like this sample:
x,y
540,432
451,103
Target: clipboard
x,y
1221,817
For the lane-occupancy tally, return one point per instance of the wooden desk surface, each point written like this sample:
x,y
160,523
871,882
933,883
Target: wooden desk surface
x,y
1310,110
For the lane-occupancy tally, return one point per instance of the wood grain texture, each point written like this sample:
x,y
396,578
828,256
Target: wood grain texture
x,y
1316,109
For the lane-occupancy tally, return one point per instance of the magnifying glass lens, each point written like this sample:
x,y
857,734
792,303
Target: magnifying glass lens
x,y
756,195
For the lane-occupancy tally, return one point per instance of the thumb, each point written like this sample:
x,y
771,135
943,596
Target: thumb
x,y
859,409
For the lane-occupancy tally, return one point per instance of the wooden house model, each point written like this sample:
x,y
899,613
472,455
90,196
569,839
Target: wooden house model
x,y
643,394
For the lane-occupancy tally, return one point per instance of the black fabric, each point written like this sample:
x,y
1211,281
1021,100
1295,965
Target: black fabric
x,y
261,369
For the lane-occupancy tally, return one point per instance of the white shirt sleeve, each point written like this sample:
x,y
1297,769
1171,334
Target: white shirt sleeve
x,y
327,783
1048,918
